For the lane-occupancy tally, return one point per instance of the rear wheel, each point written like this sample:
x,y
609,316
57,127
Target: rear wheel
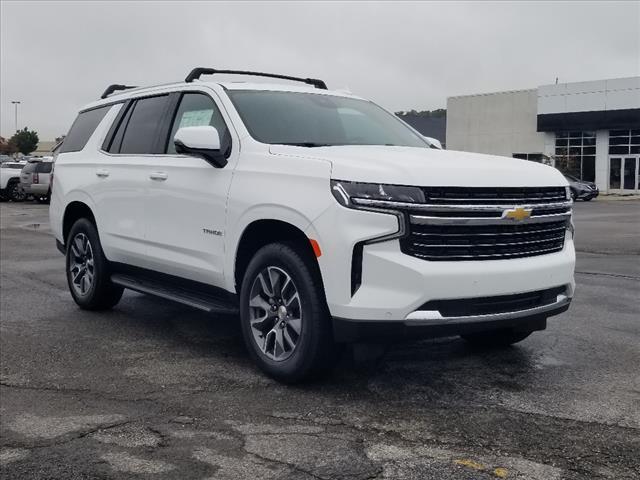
x,y
285,319
16,193
496,338
88,272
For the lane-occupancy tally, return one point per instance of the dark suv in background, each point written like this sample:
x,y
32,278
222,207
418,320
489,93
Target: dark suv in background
x,y
581,190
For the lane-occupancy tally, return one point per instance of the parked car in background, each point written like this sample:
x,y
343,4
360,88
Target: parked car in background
x,y
35,178
581,190
10,181
5,158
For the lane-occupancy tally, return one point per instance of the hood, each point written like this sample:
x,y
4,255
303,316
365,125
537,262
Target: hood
x,y
427,166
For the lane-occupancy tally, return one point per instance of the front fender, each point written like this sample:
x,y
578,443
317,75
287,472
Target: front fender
x,y
259,212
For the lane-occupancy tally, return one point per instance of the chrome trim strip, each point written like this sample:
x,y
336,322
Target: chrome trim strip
x,y
487,201
433,317
528,242
456,208
424,220
494,234
523,254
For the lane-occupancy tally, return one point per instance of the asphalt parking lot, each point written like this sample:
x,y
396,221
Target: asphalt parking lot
x,y
157,390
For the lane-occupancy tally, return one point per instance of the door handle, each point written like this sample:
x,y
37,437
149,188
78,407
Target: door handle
x,y
102,173
158,176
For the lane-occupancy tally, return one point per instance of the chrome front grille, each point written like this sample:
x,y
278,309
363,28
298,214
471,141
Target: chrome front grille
x,y
457,224
508,195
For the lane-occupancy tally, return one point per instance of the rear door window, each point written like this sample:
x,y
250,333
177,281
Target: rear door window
x,y
82,129
141,128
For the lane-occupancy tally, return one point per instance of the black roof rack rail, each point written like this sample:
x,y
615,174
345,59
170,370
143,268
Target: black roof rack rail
x,y
197,72
114,88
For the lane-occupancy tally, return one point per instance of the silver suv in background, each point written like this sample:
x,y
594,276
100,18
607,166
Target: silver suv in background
x,y
35,178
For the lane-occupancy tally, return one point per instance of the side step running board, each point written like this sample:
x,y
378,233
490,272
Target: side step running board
x,y
200,300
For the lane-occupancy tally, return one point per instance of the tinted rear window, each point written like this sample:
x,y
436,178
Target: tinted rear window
x,y
44,167
142,127
30,167
82,129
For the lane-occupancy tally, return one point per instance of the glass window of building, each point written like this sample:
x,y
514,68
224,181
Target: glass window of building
x,y
576,154
624,160
624,142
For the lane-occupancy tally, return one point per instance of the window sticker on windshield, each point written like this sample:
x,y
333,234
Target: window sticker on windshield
x,y
196,118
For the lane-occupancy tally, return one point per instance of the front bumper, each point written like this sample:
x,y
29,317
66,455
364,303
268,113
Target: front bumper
x,y
35,188
431,323
394,286
588,194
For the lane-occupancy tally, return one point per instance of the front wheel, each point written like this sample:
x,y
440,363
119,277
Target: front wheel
x,y
496,338
88,273
285,319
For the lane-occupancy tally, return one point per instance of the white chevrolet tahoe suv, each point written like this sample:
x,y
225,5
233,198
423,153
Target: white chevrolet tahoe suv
x,y
315,215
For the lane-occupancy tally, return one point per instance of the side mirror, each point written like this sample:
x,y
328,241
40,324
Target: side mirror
x,y
203,141
434,142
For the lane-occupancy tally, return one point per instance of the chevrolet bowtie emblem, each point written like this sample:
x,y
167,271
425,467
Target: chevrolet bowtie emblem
x,y
518,214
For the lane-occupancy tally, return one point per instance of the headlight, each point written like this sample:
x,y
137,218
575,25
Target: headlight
x,y
359,195
567,192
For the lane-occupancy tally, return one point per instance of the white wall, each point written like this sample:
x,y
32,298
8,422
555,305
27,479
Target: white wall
x,y
616,94
500,123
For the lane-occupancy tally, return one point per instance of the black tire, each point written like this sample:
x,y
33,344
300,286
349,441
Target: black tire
x,y
101,294
15,192
496,338
314,351
588,199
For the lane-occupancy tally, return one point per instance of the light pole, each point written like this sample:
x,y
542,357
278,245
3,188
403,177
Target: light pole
x,y
15,104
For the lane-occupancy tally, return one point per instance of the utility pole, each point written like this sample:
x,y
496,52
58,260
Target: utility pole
x,y
15,104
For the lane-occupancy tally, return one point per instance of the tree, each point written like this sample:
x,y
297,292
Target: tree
x,y
440,112
25,141
7,148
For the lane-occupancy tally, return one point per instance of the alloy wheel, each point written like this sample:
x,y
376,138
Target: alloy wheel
x,y
275,313
81,264
17,194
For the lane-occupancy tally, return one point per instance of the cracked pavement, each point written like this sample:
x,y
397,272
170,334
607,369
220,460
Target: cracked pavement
x,y
157,390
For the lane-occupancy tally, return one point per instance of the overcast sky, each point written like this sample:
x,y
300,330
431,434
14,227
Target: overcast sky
x,y
57,56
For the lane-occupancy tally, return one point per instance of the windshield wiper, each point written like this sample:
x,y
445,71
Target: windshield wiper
x,y
307,144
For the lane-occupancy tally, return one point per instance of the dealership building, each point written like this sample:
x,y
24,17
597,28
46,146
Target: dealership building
x,y
590,130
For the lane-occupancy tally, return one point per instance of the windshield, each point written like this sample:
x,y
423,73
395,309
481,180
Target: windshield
x,y
315,120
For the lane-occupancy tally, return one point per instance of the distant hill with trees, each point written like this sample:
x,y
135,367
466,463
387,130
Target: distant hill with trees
x,y
431,123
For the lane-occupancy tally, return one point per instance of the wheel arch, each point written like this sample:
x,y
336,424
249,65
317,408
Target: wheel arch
x,y
74,211
262,232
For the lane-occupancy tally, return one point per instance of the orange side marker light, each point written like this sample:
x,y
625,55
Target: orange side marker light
x,y
316,247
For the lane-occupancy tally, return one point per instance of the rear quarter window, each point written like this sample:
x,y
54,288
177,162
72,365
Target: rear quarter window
x,y
82,129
